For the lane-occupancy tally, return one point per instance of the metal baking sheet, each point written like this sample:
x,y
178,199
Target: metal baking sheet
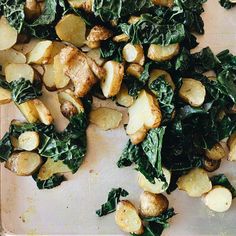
x,y
70,208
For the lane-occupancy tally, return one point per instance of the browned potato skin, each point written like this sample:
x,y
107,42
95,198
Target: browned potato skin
x,y
32,9
135,70
211,165
166,3
138,137
216,153
99,32
68,109
152,205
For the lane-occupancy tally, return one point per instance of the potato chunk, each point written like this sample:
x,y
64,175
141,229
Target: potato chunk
x,y
8,34
99,32
193,92
23,163
5,96
165,3
105,118
110,85
28,140
144,113
41,53
219,199
216,153
121,38
158,187
51,167
133,53
29,111
127,218
123,98
49,77
135,70
72,29
157,52
232,147
152,205
195,183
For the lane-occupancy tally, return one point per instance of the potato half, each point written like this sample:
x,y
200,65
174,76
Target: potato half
x,y
193,92
216,153
110,85
5,96
219,199
127,218
135,70
8,34
157,52
123,98
133,53
195,183
105,118
72,29
23,163
28,140
158,187
49,77
29,111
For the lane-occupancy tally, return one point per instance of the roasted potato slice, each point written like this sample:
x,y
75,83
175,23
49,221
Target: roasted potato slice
x,y
219,199
123,98
72,29
28,140
49,77
95,55
5,96
51,167
29,111
138,136
144,113
41,53
193,92
127,218
26,48
152,205
23,163
105,118
216,153
133,53
110,85
121,38
157,52
135,70
232,147
56,49
158,187
8,34
165,3
99,33
195,183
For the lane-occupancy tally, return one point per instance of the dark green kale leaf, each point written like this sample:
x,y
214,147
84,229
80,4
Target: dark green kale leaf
x,y
6,147
227,61
4,84
222,180
108,10
133,85
227,4
112,201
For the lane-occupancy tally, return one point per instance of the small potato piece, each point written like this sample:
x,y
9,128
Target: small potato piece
x,y
123,98
152,205
93,44
165,3
99,32
127,217
156,73
5,96
51,167
8,34
211,165
193,92
17,71
216,153
26,48
110,85
105,118
43,112
23,163
134,19
144,113
158,187
133,53
56,49
28,140
138,136
32,9
41,53
157,52
219,199
95,55
71,28
232,147
195,183
49,77
29,111
76,3
121,38
135,70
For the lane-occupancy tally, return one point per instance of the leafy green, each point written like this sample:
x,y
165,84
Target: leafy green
x,y
226,4
4,84
114,9
222,180
6,147
112,201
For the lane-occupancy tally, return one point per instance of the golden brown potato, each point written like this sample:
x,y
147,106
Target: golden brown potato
x,y
32,9
121,38
8,34
123,98
144,113
216,153
165,3
211,165
83,4
138,136
5,96
127,218
134,19
105,118
219,199
195,183
157,52
49,77
29,111
23,163
152,205
95,55
193,92
110,85
93,44
135,70
232,147
28,140
72,29
99,33
133,53
56,49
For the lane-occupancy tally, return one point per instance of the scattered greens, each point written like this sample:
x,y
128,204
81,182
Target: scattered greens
x,y
112,200
227,4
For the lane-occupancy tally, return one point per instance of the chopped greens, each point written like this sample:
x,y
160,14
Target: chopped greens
x,y
227,4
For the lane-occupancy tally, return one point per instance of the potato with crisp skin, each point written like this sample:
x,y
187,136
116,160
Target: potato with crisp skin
x,y
5,96
28,140
99,33
193,92
135,70
138,136
121,38
133,53
211,165
127,218
217,152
